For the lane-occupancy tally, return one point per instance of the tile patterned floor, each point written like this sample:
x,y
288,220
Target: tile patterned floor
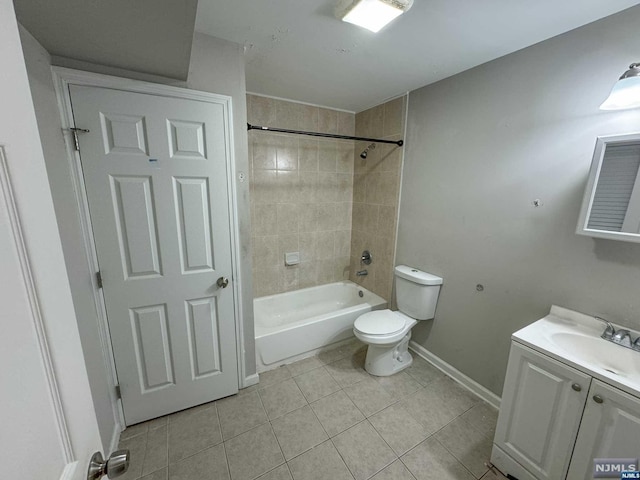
x,y
323,418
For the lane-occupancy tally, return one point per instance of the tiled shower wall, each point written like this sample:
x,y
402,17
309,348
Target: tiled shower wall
x,y
301,195
376,189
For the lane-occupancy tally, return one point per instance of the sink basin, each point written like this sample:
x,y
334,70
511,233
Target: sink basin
x,y
597,352
573,338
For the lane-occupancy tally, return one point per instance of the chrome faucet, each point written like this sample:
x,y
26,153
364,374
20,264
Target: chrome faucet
x,y
609,331
622,337
619,337
362,273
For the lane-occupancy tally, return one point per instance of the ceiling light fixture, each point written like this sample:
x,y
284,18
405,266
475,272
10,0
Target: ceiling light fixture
x,y
371,14
626,92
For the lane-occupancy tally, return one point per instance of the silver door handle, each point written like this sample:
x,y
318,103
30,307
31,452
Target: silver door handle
x,y
112,467
222,282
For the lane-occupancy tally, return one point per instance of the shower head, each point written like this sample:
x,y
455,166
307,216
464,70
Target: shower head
x,y
364,153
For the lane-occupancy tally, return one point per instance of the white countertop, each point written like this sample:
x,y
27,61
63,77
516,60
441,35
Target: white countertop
x,y
555,334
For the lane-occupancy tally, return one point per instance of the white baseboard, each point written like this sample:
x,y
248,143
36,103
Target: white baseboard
x,y
251,380
482,392
115,438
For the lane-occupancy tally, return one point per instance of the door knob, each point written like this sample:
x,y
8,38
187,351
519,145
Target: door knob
x,y
114,466
598,399
222,282
576,387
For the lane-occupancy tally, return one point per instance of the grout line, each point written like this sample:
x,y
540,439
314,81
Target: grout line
x,y
226,459
457,459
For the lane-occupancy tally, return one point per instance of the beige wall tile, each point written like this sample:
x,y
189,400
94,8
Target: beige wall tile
x,y
308,154
357,223
326,272
346,123
287,218
287,153
264,219
328,156
343,215
308,274
287,244
327,120
289,114
264,186
301,195
389,188
359,188
387,219
327,216
290,277
325,246
265,251
307,245
287,188
344,187
267,281
264,155
308,118
345,159
308,217
308,187
376,187
327,183
341,268
342,243
262,110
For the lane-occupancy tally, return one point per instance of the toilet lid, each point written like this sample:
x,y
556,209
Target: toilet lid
x,y
379,322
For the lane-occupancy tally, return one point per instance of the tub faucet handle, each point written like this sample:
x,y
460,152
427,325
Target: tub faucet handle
x,y
609,332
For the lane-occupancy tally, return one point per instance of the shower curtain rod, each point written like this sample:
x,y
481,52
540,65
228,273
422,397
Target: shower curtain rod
x,y
324,135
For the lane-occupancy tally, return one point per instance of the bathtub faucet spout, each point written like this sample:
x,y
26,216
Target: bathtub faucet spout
x,y
362,273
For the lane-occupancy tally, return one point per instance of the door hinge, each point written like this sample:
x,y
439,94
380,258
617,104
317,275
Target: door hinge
x,y
118,392
99,279
75,131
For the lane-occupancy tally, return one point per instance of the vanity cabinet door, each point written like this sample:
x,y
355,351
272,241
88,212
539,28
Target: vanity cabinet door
x,y
610,428
541,408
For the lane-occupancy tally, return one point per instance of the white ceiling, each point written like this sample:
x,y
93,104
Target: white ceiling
x,y
297,49
150,36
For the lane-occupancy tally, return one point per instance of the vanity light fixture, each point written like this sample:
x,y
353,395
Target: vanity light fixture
x,y
626,92
371,14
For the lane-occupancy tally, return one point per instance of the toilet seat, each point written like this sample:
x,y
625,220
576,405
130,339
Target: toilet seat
x,y
379,322
382,327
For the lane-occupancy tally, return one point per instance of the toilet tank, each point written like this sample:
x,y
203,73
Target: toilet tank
x,y
416,292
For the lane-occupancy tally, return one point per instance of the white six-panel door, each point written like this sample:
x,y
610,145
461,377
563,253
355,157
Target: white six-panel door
x,y
155,171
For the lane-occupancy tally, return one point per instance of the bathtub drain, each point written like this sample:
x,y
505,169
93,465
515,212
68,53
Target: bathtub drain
x,y
360,293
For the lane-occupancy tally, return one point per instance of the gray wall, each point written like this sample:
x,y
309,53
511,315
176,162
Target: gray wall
x,y
481,146
216,66
38,64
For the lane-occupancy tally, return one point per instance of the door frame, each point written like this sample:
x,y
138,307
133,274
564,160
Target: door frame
x,y
62,78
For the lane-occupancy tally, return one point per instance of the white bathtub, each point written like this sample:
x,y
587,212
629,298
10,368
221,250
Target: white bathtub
x,y
290,326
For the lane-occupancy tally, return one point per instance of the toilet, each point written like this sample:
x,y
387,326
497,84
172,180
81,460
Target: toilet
x,y
387,333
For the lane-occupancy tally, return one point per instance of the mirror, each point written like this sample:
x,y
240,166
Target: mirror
x,y
611,205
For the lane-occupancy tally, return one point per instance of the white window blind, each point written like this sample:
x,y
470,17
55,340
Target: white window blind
x,y
615,186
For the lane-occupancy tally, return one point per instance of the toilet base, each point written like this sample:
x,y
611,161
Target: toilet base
x,y
385,360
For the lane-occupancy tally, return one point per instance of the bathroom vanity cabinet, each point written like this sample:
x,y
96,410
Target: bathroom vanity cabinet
x,y
555,419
